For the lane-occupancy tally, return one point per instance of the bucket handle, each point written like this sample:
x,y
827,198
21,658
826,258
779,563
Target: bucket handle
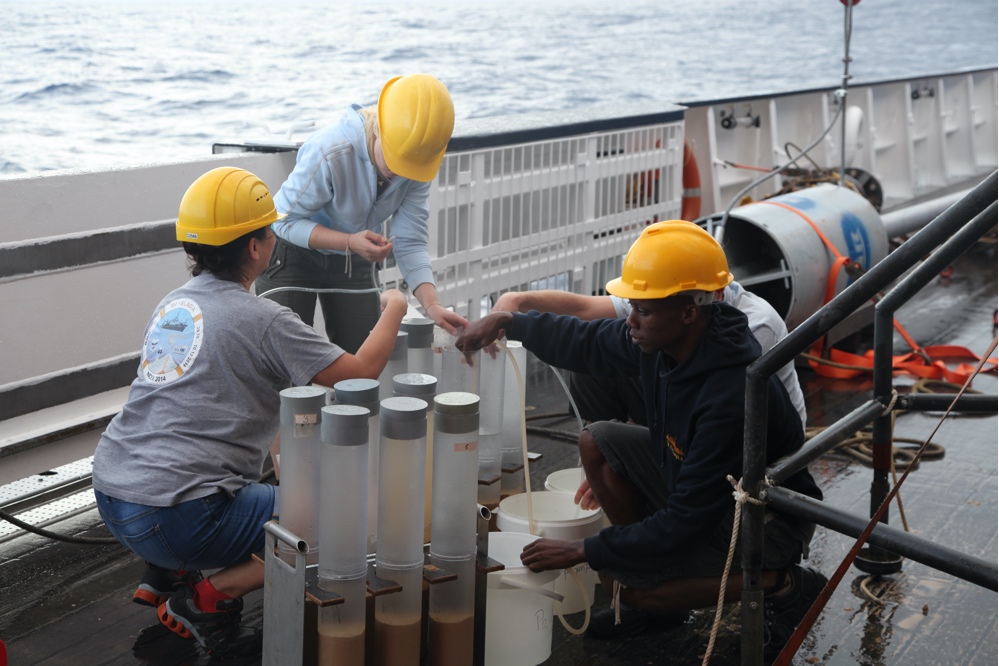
x,y
543,591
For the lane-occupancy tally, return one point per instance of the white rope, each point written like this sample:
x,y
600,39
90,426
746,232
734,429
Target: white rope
x,y
891,404
741,497
616,601
346,265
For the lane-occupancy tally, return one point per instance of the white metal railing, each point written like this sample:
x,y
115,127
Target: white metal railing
x,y
916,136
551,213
554,202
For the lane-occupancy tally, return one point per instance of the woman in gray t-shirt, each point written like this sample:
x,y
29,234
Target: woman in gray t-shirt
x,y
175,472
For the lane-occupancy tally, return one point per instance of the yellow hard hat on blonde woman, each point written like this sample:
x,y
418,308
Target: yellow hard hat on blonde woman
x,y
223,205
671,258
415,121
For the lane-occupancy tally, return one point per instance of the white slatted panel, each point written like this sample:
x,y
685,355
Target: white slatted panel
x,y
558,213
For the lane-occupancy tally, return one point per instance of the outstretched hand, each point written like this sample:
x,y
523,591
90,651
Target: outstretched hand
x,y
449,320
482,333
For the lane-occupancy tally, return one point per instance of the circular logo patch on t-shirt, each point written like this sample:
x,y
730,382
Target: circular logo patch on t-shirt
x,y
173,341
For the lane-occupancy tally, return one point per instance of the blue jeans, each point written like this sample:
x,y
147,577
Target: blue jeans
x,y
207,533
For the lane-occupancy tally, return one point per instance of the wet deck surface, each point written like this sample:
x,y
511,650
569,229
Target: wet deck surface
x,y
71,604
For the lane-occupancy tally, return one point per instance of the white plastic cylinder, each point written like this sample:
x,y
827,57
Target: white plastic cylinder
x,y
364,393
424,387
513,413
492,369
452,614
343,524
300,454
775,253
341,626
401,482
398,364
420,342
458,375
398,618
456,463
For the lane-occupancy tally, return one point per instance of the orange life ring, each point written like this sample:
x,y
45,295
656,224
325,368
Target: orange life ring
x,y
690,208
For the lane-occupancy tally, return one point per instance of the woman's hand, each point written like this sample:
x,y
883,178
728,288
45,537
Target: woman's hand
x,y
449,320
369,245
393,298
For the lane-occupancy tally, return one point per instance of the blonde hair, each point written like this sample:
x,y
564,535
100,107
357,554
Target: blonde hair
x,y
370,116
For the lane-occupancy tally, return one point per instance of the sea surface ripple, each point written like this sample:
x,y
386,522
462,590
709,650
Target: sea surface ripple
x,y
95,83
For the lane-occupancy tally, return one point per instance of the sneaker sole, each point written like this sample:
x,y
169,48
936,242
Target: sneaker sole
x,y
151,598
175,624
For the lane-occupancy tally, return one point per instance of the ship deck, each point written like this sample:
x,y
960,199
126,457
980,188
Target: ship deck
x,y
71,604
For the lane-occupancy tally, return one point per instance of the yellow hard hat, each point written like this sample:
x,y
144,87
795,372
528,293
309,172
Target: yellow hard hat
x,y
223,205
415,121
670,258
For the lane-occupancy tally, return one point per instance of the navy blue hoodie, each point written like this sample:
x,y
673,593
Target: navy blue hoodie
x,y
697,411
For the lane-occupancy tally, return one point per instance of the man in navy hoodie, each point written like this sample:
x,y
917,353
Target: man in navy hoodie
x,y
664,487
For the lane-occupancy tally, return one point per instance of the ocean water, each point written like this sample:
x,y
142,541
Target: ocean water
x,y
93,83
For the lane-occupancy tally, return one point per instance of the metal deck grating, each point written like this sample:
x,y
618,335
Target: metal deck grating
x,y
49,512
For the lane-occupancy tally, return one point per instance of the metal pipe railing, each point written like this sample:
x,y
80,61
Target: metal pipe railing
x,y
884,336
916,548
839,308
824,442
938,402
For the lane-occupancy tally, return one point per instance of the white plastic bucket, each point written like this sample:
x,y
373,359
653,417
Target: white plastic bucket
x,y
565,480
556,517
518,606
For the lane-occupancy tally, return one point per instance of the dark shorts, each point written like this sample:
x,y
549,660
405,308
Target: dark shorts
x,y
206,533
601,399
348,318
628,452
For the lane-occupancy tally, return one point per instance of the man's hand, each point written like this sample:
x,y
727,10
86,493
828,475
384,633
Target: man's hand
x,y
482,333
585,497
371,246
549,554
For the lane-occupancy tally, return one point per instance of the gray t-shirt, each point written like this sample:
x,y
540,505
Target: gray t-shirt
x,y
204,409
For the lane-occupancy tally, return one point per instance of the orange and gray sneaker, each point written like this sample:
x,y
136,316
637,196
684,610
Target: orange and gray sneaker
x,y
157,584
218,632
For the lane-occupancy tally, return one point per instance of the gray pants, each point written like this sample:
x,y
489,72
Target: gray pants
x,y
348,317
628,452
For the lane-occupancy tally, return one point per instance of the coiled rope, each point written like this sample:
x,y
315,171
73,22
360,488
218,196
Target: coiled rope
x,y
785,656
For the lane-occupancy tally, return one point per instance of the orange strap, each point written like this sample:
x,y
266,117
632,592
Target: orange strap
x,y
926,362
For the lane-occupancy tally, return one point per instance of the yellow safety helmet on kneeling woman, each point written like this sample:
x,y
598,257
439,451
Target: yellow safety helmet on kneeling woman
x,y
224,204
